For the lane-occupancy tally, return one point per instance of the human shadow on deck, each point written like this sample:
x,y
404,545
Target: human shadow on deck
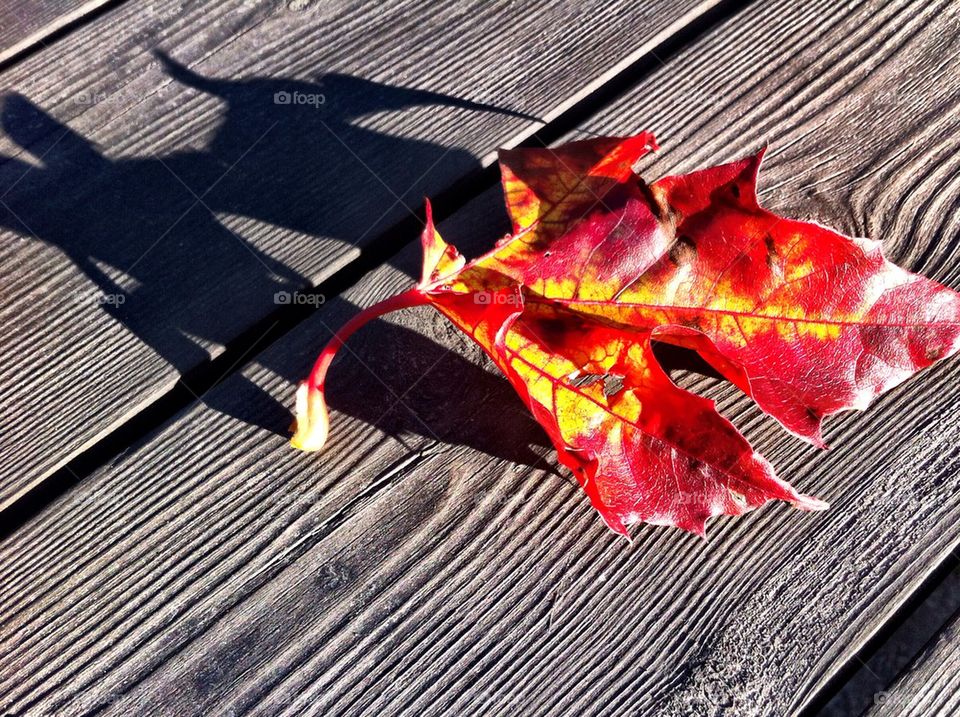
x,y
162,237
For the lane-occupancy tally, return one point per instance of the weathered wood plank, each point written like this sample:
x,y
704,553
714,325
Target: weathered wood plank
x,y
902,641
24,25
930,686
149,213
430,562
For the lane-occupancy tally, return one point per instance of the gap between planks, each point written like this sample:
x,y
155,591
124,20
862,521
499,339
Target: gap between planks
x,y
45,35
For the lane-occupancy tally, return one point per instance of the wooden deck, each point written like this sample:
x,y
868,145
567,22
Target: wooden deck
x,y
165,553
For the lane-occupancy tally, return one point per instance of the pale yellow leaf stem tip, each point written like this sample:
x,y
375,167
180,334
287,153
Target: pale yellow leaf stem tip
x,y
311,424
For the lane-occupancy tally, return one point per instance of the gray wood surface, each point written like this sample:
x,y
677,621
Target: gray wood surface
x,y
901,644
431,561
26,24
151,211
930,686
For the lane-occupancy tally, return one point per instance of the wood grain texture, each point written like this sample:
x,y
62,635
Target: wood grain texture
x,y
180,196
883,662
27,24
432,562
930,686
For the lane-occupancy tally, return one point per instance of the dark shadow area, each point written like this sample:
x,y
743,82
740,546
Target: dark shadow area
x,y
146,232
399,379
403,383
676,360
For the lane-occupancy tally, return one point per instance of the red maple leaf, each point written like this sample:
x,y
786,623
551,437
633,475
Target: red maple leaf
x,y
806,321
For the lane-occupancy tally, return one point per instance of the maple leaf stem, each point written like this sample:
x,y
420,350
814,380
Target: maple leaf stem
x,y
312,424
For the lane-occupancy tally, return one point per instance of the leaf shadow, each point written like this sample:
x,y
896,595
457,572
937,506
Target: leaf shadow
x,y
149,232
